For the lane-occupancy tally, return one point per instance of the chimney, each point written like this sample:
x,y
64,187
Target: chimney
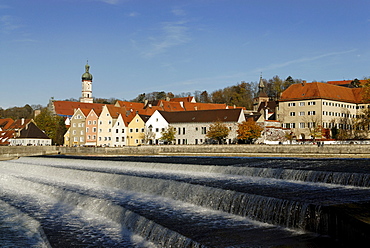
x,y
22,121
303,82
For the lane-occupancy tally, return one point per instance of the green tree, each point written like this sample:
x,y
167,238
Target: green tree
x,y
248,131
218,131
52,125
168,135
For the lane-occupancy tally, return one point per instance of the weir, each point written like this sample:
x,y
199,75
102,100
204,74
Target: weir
x,y
191,202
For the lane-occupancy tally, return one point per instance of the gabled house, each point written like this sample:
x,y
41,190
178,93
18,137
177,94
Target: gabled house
x,y
155,124
92,127
137,134
77,130
23,133
112,126
192,126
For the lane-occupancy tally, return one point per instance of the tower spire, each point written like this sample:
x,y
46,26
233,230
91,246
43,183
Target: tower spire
x,y
87,85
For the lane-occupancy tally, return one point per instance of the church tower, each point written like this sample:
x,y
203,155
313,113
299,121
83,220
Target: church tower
x,y
261,95
86,86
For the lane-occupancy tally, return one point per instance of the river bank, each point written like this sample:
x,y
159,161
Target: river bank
x,y
330,151
326,151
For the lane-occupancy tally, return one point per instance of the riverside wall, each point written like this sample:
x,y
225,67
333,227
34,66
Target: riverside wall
x,y
11,152
331,151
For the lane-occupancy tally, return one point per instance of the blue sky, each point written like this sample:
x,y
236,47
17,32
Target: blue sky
x,y
137,46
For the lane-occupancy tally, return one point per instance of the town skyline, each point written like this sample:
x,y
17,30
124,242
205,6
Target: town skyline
x,y
138,47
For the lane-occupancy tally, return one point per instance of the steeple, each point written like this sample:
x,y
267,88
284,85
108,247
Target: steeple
x,y
87,85
261,87
87,75
261,97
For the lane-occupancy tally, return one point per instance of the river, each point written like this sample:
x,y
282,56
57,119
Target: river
x,y
61,201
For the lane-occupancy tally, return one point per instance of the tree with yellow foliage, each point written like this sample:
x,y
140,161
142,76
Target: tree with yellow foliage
x,y
248,131
218,131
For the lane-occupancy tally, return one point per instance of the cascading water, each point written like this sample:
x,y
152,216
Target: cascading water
x,y
206,202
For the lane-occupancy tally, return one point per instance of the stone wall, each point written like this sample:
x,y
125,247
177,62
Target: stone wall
x,y
229,150
350,151
10,152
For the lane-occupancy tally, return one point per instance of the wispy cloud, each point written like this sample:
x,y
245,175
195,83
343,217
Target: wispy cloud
x,y
172,34
178,12
113,2
133,14
303,60
8,23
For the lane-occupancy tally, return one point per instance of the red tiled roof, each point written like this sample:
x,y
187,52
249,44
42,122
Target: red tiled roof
x,y
5,136
182,99
19,124
344,82
66,108
318,90
130,105
6,123
225,115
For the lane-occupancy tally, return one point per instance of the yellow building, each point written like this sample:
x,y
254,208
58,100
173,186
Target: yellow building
x,y
136,133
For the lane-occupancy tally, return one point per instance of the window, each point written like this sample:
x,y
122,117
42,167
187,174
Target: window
x,y
204,130
183,130
89,122
301,104
87,130
157,130
301,113
311,112
131,130
117,130
291,104
292,113
311,124
311,103
94,129
302,125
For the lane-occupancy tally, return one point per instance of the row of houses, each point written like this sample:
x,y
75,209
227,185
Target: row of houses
x,y
301,108
133,124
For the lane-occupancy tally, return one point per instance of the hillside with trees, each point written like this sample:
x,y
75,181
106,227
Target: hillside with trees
x,y
240,94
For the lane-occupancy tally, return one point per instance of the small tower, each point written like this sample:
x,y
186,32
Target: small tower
x,y
261,95
87,86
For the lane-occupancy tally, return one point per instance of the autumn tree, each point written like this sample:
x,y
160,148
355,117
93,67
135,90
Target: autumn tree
x,y
249,131
147,135
168,135
363,120
218,131
52,125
